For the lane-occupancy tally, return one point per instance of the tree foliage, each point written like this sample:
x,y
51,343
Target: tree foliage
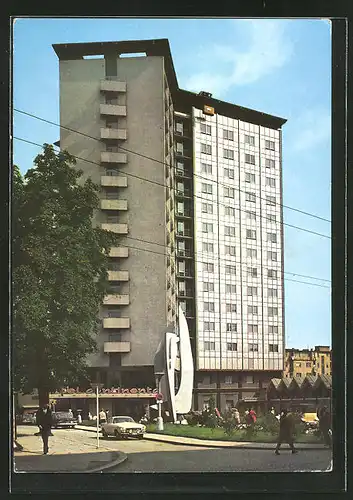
x,y
59,269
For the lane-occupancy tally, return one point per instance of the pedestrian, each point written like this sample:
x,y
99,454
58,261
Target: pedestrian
x,y
237,416
250,418
107,415
90,416
325,425
286,431
273,411
45,421
79,418
102,417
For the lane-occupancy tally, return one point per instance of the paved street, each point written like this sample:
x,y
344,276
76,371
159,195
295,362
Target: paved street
x,y
151,456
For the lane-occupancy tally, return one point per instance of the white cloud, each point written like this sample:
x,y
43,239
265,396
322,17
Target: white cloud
x,y
268,48
313,128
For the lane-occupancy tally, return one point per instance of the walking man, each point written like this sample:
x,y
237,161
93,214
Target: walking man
x,y
324,425
44,419
286,431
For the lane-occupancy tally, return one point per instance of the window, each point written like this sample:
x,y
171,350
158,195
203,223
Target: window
x,y
228,153
206,168
208,286
272,256
270,163
229,172
307,364
112,195
251,234
207,227
298,375
112,219
271,273
251,252
229,250
179,128
229,231
272,237
205,129
206,188
231,327
208,326
270,181
208,267
270,200
249,379
272,329
250,197
207,247
273,311
228,379
252,309
252,291
230,288
272,292
250,139
252,328
228,192
206,149
180,147
209,346
270,145
111,171
230,269
271,217
231,308
253,347
274,348
251,215
229,211
228,135
250,159
252,271
249,177
207,208
208,306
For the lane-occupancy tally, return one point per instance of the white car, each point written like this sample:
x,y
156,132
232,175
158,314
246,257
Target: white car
x,y
123,427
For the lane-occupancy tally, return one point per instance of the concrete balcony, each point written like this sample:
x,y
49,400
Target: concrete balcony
x,y
112,110
116,322
119,252
109,157
113,205
116,300
113,133
117,347
115,228
118,275
113,180
113,86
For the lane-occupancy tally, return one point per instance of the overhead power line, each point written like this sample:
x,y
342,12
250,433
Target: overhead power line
x,y
158,161
167,187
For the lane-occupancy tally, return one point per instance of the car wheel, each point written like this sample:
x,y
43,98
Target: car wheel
x,y
104,434
140,436
116,434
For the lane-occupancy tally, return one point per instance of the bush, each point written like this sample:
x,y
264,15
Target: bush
x,y
229,424
268,423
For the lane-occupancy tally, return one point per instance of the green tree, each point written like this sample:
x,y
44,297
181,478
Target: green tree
x,y
60,264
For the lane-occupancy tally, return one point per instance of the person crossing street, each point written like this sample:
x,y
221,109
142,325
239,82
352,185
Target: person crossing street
x,y
286,431
45,421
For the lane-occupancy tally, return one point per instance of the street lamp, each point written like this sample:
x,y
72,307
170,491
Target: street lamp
x,y
159,401
97,386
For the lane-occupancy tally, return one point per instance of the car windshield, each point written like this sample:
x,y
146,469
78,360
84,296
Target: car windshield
x,y
64,414
119,420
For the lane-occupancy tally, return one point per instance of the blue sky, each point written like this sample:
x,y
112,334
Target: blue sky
x,y
280,67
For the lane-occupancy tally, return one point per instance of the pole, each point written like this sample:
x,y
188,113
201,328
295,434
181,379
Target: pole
x,y
97,407
160,425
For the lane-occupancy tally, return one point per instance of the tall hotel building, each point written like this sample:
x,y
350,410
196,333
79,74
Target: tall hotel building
x,y
193,187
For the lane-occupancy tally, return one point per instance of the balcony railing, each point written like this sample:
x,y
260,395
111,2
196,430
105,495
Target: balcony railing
x,y
110,157
111,84
183,192
114,299
113,204
113,133
115,228
119,252
184,232
116,322
113,180
117,347
112,109
118,275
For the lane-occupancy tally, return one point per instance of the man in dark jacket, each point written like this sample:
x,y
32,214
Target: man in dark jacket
x,y
286,431
324,425
44,421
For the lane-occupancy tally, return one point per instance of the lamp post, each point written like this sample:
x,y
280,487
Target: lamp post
x,y
160,426
97,386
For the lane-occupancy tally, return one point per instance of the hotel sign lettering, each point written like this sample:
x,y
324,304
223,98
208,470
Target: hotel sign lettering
x,y
148,391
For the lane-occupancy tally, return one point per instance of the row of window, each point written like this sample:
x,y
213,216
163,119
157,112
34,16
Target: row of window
x,y
228,154
206,168
209,267
229,135
208,188
208,286
232,346
209,326
207,208
207,227
272,311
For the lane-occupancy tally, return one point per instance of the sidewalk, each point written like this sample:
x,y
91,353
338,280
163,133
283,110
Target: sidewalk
x,y
215,444
66,454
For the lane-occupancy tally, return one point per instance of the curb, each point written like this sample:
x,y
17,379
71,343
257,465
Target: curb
x,y
122,457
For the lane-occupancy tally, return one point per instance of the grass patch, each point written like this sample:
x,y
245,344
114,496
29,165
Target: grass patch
x,y
218,434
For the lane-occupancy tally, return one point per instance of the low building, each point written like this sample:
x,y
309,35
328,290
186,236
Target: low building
x,y
302,362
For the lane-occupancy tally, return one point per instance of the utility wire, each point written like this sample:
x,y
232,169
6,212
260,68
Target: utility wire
x,y
159,161
167,187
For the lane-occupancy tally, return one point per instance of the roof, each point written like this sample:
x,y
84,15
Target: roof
x,y
326,380
183,98
311,379
275,382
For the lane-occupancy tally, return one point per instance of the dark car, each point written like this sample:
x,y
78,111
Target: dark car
x,y
28,417
63,419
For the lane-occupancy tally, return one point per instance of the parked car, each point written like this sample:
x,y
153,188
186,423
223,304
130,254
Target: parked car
x,y
29,418
63,419
123,427
310,420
